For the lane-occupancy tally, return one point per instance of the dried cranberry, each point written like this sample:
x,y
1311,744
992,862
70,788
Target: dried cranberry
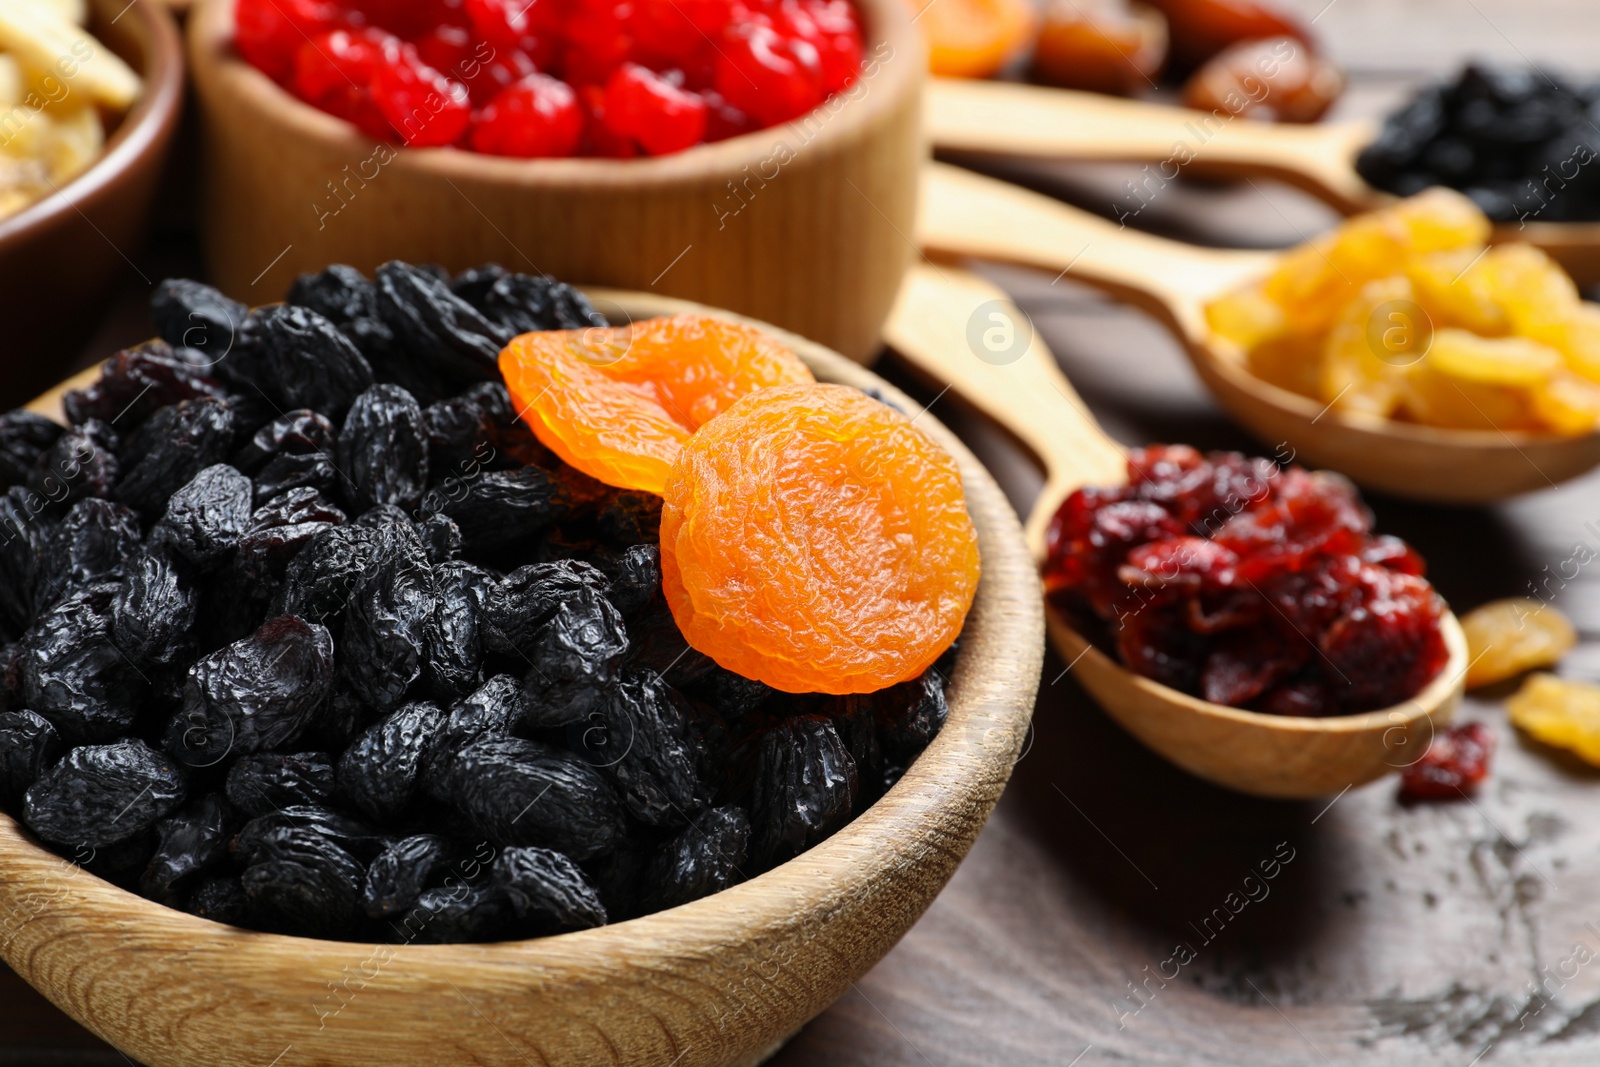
x,y
1454,765
538,116
648,108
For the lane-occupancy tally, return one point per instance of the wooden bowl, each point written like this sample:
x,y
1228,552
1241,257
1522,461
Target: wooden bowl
x,y
805,225
60,256
722,981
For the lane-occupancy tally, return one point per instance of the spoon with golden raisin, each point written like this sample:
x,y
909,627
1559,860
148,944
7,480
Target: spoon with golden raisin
x,y
963,213
1252,752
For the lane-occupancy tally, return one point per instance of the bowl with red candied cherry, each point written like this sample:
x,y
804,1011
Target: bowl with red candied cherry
x,y
760,155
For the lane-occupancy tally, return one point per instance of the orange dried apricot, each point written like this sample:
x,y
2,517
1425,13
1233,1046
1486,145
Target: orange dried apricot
x,y
972,38
618,403
1507,637
814,539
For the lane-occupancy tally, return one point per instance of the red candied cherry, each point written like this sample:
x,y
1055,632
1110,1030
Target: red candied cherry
x,y
425,108
642,105
513,25
598,39
674,31
448,48
769,77
1456,762
831,28
334,71
269,33
410,19
723,120
538,116
598,138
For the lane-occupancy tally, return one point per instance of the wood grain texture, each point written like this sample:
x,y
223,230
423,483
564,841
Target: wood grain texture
x,y
721,981
803,225
968,214
1264,755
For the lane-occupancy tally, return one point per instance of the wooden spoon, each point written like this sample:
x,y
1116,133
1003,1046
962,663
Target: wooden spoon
x,y
1005,118
966,214
1267,755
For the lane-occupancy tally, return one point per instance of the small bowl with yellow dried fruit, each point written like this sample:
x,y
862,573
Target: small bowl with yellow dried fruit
x,y
90,94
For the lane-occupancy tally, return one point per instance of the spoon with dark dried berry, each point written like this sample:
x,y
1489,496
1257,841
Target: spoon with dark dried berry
x,y
1518,143
1239,616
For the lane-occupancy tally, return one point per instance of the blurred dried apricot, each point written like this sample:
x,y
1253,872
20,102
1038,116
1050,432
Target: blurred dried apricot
x,y
813,539
618,403
1100,46
1507,637
1201,28
1559,712
1277,79
972,38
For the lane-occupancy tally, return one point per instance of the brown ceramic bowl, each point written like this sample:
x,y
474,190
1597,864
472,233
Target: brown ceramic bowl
x,y
60,256
805,225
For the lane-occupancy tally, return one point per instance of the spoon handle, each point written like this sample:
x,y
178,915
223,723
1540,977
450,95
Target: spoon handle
x,y
963,213
1006,118
959,329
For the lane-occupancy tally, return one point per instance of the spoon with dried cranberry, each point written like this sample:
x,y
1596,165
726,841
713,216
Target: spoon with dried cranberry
x,y
963,213
1033,122
1206,577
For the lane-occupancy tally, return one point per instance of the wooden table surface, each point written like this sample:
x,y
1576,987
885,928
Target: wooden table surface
x,y
1108,914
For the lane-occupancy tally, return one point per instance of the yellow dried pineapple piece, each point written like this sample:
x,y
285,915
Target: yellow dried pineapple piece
x,y
1435,399
1455,293
1507,637
1247,317
1537,294
1559,712
1512,361
1440,219
1568,404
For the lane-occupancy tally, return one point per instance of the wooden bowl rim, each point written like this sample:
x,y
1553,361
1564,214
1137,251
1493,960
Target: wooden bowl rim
x,y
211,53
979,743
142,131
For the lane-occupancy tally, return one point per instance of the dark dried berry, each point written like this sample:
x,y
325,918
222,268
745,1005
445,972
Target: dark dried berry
x,y
439,329
102,794
575,658
628,517
222,900
94,542
324,575
286,472
500,509
120,862
454,665
299,433
516,606
25,534
258,693
547,892
82,462
301,360
401,872
24,437
524,303
137,381
706,858
68,670
378,773
805,789
458,915
260,837
386,626
441,537
305,882
463,430
206,519
637,583
383,450
494,710
28,746
233,601
519,792
639,735
191,841
910,715
734,695
341,294
154,612
198,317
268,782
174,445
281,528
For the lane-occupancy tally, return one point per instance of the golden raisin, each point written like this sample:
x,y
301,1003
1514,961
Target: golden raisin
x,y
1559,712
812,538
1507,637
618,403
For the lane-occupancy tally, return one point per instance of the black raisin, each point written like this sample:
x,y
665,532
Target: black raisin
x,y
494,710
520,792
282,527
575,658
28,746
259,837
154,611
94,542
547,892
192,315
401,872
442,538
805,789
268,782
69,671
258,693
102,794
383,449
378,773
706,858
220,899
24,437
439,329
455,647
387,624
304,883
461,914
82,462
516,606
301,360
206,519
25,535
299,433
640,736
191,841
137,381
177,443
523,303
499,510
321,579
910,715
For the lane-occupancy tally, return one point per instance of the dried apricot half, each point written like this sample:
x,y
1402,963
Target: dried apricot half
x,y
1507,637
812,538
618,403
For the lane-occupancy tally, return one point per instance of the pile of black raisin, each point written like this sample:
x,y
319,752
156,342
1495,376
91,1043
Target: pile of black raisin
x,y
306,632
1524,146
